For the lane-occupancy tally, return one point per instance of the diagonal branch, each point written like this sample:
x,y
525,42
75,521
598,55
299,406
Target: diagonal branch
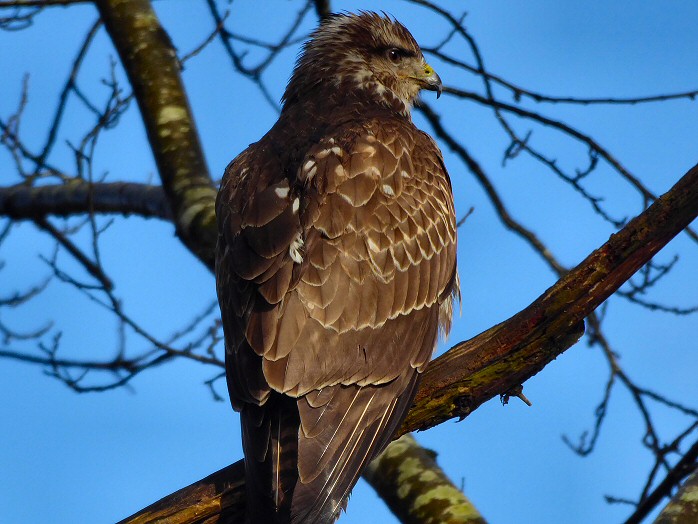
x,y
686,500
510,353
683,507
151,64
474,167
519,92
494,362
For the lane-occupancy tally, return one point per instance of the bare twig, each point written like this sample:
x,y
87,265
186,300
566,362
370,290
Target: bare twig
x,y
94,269
69,86
255,73
322,8
682,469
475,168
519,92
216,30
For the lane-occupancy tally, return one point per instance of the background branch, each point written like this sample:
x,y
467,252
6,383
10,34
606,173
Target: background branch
x,y
416,490
152,67
683,507
22,202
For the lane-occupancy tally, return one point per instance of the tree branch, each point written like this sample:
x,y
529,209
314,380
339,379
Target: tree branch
x,y
151,64
23,202
685,503
494,362
683,508
509,353
415,488
322,8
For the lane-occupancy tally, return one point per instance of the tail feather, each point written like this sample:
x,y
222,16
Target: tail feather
x,y
351,443
270,440
293,478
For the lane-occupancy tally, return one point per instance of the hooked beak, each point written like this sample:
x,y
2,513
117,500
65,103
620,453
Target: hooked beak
x,y
430,80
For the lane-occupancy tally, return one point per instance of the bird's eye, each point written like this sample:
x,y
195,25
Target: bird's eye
x,y
394,55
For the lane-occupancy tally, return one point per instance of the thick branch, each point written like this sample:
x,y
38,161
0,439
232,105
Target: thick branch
x,y
26,202
510,353
216,499
220,497
152,67
494,362
415,488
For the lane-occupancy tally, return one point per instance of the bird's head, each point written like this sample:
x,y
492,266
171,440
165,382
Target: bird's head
x,y
365,54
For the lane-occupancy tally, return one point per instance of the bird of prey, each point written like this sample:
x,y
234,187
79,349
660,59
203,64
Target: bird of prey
x,y
336,268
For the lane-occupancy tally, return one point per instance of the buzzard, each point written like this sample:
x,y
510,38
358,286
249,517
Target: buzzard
x,y
335,268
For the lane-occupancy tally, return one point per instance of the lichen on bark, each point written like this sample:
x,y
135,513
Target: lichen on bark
x,y
683,508
416,489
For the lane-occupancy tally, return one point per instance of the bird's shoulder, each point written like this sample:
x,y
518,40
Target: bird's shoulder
x,y
293,158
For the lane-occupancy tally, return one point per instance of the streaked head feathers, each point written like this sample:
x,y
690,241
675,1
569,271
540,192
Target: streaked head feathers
x,y
366,55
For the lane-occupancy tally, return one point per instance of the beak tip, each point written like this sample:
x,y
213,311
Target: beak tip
x,y
433,83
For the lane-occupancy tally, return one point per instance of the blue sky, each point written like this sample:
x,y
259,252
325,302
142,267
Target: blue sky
x,y
96,458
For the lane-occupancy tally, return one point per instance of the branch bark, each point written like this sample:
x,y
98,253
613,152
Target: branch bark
x,y
509,353
151,64
494,362
683,507
23,202
415,488
432,497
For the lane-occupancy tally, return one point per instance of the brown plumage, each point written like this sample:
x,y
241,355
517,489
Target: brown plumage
x,y
336,267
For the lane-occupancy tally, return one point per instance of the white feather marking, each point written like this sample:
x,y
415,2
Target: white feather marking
x,y
281,192
311,173
309,170
295,248
335,150
296,204
388,190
